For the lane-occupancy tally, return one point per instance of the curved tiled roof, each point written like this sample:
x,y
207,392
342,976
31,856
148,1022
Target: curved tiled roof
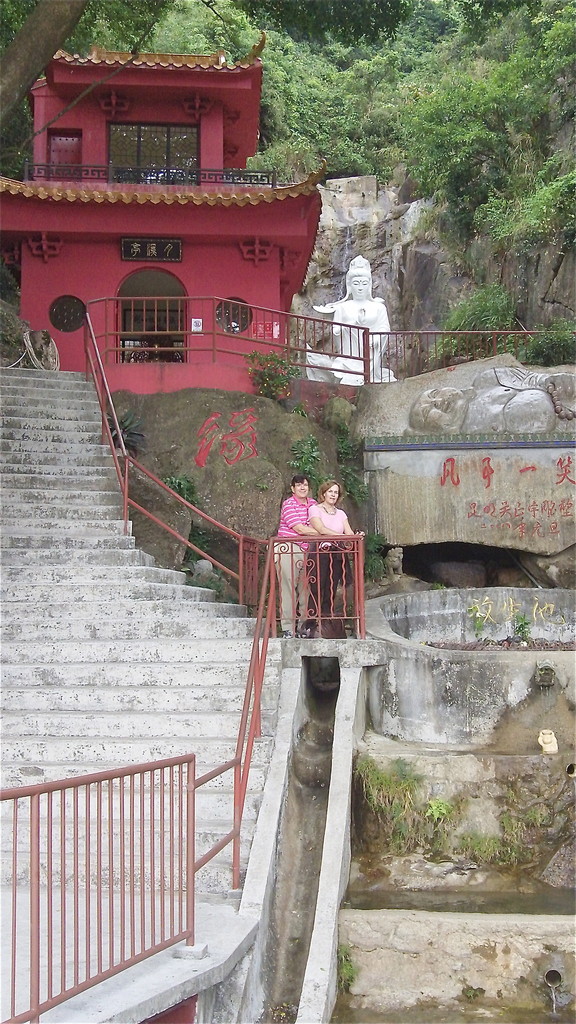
x,y
245,196
217,60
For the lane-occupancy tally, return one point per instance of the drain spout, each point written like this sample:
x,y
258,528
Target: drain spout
x,y
553,979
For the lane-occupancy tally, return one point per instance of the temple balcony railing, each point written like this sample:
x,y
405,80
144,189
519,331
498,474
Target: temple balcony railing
x,y
201,329
114,174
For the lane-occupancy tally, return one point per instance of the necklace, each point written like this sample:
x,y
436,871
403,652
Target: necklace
x,y
331,511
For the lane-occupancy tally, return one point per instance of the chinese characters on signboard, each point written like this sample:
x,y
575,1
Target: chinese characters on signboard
x,y
534,517
161,250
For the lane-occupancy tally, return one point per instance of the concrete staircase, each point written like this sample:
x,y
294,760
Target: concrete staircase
x,y
107,660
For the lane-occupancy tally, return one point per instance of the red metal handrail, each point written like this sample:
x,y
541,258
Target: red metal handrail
x,y
249,548
116,850
210,329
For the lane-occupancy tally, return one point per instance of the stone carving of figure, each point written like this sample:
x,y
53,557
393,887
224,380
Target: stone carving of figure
x,y
548,741
502,399
393,565
359,309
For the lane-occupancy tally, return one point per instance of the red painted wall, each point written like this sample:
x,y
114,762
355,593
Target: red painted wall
x,y
184,1013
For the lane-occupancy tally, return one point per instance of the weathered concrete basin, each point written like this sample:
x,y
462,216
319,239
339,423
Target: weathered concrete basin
x,y
441,696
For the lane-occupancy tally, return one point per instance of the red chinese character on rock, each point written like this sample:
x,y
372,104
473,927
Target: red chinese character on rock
x,y
240,443
537,529
237,444
449,472
473,512
533,509
490,510
207,435
505,509
566,507
487,471
548,508
564,466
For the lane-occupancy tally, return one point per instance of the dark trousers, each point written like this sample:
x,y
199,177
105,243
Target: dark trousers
x,y
325,570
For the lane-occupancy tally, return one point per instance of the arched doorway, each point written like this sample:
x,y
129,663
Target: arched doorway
x,y
152,317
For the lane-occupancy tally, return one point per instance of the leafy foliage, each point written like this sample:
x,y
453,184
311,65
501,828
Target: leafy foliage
x,y
350,20
489,308
133,438
374,564
306,459
553,346
184,486
271,374
347,970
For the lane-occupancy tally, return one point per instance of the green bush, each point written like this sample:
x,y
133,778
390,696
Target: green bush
x,y
306,458
184,486
271,374
554,346
490,308
133,438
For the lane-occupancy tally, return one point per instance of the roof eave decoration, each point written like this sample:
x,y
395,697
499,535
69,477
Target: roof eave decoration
x,y
195,196
216,61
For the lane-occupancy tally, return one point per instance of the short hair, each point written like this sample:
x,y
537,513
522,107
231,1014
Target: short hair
x,y
326,487
299,478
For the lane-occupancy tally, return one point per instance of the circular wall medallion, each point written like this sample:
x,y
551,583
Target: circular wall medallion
x,y
67,313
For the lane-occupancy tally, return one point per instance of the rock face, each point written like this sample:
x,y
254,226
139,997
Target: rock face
x,y
236,448
466,447
413,276
412,272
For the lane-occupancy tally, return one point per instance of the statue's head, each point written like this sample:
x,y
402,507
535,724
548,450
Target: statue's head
x,y
359,276
439,410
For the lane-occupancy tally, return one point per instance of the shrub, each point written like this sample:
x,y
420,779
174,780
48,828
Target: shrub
x,y
554,346
271,374
134,441
306,457
347,970
184,486
490,308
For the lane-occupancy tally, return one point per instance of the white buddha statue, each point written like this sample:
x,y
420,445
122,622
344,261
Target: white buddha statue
x,y
360,310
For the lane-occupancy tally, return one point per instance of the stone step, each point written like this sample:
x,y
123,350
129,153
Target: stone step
x,y
128,610
36,378
198,657
52,541
52,408
200,620
86,593
142,652
122,750
29,773
52,436
50,500
45,391
51,424
59,555
103,525
60,447
206,688
60,515
76,574
61,478
39,462
108,726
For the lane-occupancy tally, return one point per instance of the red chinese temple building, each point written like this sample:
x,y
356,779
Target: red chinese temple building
x,y
138,208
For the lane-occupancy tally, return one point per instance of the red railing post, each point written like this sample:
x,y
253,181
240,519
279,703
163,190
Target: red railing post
x,y
190,850
366,354
34,906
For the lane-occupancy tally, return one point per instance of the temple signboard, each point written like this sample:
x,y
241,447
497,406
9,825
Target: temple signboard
x,y
161,250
